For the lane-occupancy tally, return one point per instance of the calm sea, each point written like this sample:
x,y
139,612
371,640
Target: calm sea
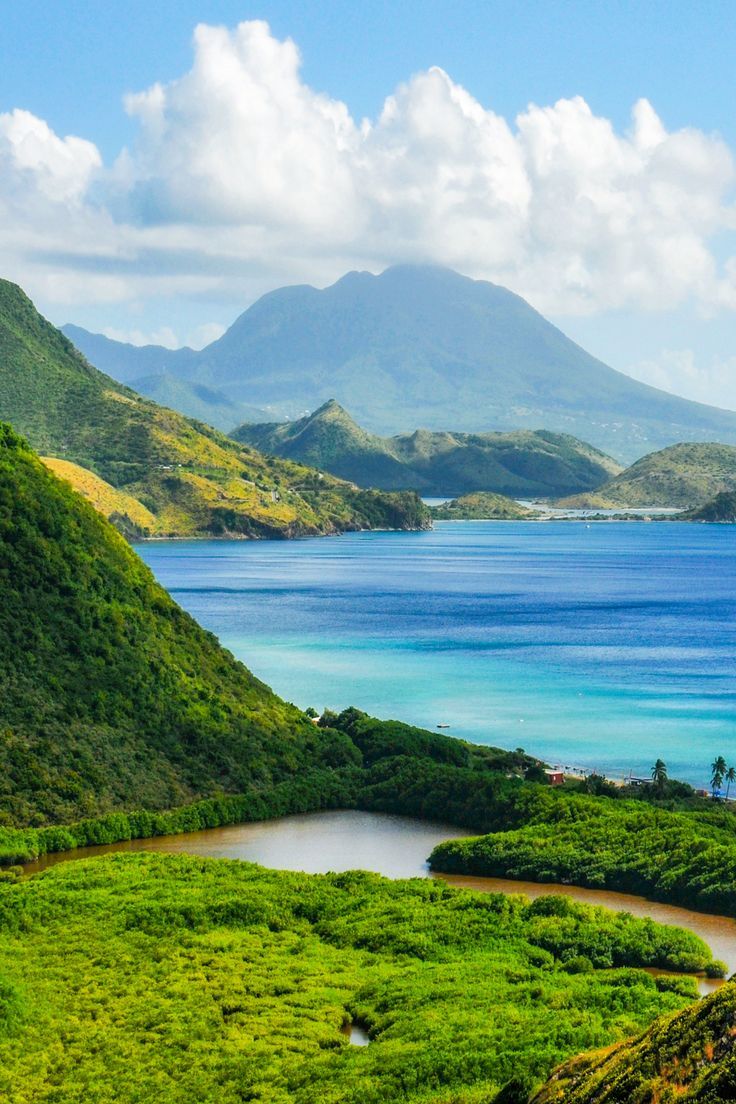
x,y
601,646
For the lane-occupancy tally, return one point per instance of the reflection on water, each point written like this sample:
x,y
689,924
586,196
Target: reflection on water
x,y
396,847
357,1035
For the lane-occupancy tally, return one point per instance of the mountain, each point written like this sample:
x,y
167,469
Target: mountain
x,y
110,694
687,1057
421,345
684,475
125,362
196,401
521,463
481,506
192,480
156,372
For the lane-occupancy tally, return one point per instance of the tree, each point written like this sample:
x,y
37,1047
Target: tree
x,y
659,774
718,769
730,777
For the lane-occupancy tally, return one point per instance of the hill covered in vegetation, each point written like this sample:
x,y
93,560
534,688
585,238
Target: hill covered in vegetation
x,y
111,696
522,463
423,345
481,506
685,476
680,853
721,508
175,979
688,1057
113,699
190,479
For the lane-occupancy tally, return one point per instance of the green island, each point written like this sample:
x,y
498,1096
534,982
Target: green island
x,y
139,977
482,506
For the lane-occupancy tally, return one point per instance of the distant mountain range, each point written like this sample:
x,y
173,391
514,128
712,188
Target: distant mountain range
x,y
519,464
421,345
153,471
684,475
159,374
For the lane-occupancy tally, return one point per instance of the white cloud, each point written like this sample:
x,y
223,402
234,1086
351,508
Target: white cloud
x,y
679,371
165,336
36,162
243,177
240,139
204,335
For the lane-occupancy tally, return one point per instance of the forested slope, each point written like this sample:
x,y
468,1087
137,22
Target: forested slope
x,y
111,695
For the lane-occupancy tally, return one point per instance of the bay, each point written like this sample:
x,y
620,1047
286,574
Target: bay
x,y
602,646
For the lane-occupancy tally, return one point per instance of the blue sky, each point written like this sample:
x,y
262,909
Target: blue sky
x,y
70,62
163,241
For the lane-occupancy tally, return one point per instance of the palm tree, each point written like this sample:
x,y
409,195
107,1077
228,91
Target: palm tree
x,y
659,774
730,777
718,769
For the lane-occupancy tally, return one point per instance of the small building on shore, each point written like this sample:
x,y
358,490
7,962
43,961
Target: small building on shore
x,y
554,777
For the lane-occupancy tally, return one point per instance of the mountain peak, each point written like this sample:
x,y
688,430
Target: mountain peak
x,y
420,344
330,409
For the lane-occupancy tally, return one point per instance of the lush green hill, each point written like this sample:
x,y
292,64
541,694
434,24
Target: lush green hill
x,y
688,1057
685,475
110,695
192,479
521,463
482,507
131,979
422,345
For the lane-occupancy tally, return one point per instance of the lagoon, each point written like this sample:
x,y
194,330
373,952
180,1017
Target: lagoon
x,y
603,646
397,847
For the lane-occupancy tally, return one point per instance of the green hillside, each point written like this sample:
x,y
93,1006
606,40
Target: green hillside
x,y
685,475
688,1057
192,479
110,694
524,462
481,507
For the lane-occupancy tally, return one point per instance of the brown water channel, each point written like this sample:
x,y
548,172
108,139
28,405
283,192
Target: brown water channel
x,y
396,847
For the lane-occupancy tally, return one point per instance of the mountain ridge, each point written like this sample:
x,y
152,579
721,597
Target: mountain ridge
x,y
520,463
424,344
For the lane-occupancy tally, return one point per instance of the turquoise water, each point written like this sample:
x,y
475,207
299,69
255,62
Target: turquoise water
x,y
601,646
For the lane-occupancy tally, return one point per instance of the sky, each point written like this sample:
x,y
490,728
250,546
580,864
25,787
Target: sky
x,y
162,165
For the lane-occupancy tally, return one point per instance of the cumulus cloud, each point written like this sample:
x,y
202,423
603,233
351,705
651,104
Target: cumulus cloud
x,y
242,176
36,162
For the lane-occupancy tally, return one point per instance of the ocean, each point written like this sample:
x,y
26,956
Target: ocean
x,y
601,646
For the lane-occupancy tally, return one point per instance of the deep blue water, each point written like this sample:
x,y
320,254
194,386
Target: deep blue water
x,y
601,646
